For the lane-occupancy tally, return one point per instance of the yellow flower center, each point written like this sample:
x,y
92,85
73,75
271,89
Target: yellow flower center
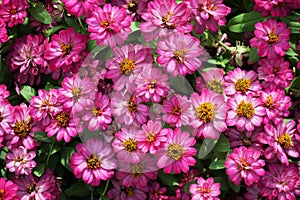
x,y
93,162
137,170
175,151
242,85
132,107
151,85
165,20
206,112
22,128
63,119
176,110
132,6
32,188
2,194
245,109
179,55
76,93
150,136
204,190
269,104
127,66
216,86
242,165
96,112
273,37
130,145
1,117
285,140
130,192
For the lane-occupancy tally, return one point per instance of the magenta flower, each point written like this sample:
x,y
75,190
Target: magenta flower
x,y
93,161
128,62
178,111
280,182
126,193
242,82
8,189
178,54
157,192
3,32
23,129
63,125
13,12
135,8
45,187
125,145
4,93
244,163
139,174
253,192
45,106
213,80
98,115
276,103
26,59
78,93
280,140
152,84
6,114
109,25
163,16
205,189
275,73
152,137
20,161
65,52
245,112
128,109
177,155
209,14
275,8
271,38
210,113
78,8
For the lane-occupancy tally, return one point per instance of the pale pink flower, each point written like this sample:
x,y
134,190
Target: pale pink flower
x,y
179,54
244,163
205,189
213,79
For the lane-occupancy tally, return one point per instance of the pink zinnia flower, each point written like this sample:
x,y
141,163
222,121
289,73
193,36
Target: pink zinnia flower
x,y
281,141
93,161
244,163
163,16
8,189
3,32
45,106
135,8
26,60
271,38
99,115
275,73
139,174
276,103
178,54
109,25
177,155
78,8
242,82
210,113
213,80
4,93
20,161
78,93
253,192
129,109
63,125
275,8
152,137
209,14
245,112
126,193
128,62
205,189
152,84
65,52
23,129
156,192
6,114
45,187
125,145
178,111
14,12
280,182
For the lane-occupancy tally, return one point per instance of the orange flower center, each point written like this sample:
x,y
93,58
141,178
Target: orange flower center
x,y
269,104
66,48
176,110
175,151
93,162
63,119
285,140
206,112
22,128
273,37
127,66
242,85
130,145
245,109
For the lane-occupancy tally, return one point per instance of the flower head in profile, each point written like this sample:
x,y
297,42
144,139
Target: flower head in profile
x,y
93,161
177,154
164,16
205,189
244,163
109,25
210,114
8,189
179,54
271,38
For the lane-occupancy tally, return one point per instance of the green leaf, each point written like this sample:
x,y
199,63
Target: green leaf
x,y
167,179
77,190
244,22
224,183
39,13
39,169
135,26
53,161
206,147
66,154
187,187
235,188
253,56
71,21
222,144
216,165
27,92
42,136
